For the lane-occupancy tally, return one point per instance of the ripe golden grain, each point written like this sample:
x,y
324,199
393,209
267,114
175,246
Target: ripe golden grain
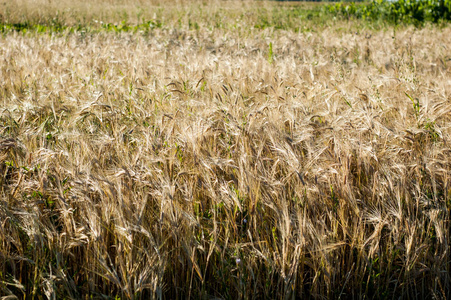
x,y
184,163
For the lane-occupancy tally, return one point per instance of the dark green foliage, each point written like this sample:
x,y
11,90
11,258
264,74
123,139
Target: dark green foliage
x,y
397,12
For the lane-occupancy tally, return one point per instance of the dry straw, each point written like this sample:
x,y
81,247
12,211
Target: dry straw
x,y
182,163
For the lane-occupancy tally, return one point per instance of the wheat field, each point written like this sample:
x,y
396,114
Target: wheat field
x,y
210,158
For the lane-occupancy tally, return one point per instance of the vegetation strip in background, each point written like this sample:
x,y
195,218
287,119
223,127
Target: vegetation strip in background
x,y
287,17
414,12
